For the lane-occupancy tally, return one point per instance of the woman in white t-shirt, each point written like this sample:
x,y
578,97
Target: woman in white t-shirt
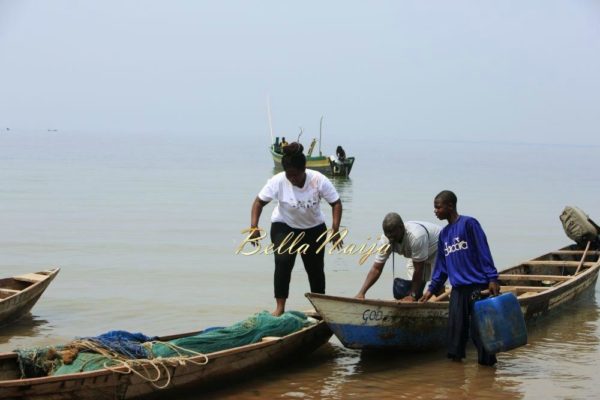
x,y
298,214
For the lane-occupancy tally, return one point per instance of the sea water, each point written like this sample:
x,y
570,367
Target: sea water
x,y
145,228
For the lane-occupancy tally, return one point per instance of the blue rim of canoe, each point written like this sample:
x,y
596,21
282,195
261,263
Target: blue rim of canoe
x,y
322,164
542,286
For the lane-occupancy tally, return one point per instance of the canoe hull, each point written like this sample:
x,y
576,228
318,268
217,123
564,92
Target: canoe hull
x,y
382,324
379,324
221,365
15,306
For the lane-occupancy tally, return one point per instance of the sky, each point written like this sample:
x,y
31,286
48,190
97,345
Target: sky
x,y
497,71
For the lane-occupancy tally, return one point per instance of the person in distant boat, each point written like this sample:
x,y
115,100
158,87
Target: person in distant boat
x,y
298,192
340,153
283,143
465,258
415,240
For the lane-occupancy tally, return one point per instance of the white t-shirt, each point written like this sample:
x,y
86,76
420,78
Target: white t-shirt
x,y
299,207
417,244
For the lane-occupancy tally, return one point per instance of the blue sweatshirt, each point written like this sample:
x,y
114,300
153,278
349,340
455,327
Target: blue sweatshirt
x,y
463,256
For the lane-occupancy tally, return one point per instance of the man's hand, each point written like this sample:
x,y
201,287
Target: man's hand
x,y
494,288
426,296
407,299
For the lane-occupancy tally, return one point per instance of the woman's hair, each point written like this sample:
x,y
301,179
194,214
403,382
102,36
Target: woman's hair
x,y
293,156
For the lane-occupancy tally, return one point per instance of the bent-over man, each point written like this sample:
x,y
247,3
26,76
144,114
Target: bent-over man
x,y
415,240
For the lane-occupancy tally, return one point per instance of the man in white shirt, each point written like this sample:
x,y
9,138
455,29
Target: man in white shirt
x,y
415,240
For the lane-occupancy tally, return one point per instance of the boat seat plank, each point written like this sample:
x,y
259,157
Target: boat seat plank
x,y
31,277
516,277
9,292
568,264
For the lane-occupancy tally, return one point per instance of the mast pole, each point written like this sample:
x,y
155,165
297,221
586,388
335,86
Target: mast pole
x,y
270,119
320,134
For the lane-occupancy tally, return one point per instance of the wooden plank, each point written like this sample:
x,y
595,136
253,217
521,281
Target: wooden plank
x,y
526,294
515,277
31,277
566,264
9,290
523,288
593,252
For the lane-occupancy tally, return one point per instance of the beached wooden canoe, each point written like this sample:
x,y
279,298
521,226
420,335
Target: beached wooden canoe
x,y
20,293
102,384
541,285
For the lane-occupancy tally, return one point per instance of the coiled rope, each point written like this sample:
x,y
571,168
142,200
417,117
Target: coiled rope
x,y
127,366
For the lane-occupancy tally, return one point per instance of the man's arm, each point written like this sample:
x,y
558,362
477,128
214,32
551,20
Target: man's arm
x,y
439,276
485,256
417,281
372,277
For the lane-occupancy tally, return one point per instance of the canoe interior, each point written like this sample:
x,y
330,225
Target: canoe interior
x,y
11,286
548,271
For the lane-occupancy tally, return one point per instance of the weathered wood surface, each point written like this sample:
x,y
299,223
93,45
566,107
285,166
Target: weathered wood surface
x,y
106,384
20,293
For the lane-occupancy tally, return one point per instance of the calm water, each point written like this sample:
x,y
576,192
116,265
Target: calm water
x,y
145,230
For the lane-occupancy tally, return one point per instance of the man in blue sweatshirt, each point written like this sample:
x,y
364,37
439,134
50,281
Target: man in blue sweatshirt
x,y
464,257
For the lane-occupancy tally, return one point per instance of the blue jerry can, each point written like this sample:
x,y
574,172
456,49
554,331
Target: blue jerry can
x,y
500,323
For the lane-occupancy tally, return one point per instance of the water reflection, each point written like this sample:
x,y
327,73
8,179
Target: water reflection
x,y
562,351
556,363
27,326
344,187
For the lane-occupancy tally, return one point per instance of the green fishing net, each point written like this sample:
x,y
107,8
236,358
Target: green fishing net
x,y
47,361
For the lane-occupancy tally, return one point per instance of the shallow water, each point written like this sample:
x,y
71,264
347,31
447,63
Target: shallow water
x,y
145,230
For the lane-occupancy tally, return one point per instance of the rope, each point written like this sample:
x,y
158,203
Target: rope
x,y
133,365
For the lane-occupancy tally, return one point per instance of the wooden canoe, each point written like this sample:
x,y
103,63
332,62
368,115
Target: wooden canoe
x,y
106,384
541,285
20,293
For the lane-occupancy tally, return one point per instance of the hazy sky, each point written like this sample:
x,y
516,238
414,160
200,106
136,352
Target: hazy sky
x,y
467,70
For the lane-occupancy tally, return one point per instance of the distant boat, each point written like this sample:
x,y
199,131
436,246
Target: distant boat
x,y
327,165
52,130
335,165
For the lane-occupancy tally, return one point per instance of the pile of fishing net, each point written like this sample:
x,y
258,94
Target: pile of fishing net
x,y
115,349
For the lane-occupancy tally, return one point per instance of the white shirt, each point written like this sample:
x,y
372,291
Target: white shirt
x,y
299,207
417,244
